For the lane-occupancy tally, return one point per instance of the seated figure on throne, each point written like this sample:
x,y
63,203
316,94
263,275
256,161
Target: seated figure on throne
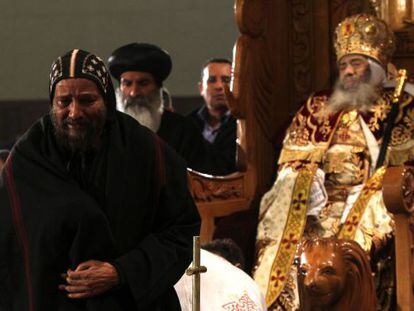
x,y
329,183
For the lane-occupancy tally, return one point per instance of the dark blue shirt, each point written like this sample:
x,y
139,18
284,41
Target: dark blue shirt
x,y
209,132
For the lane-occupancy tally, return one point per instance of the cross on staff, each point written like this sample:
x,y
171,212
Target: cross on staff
x,y
195,271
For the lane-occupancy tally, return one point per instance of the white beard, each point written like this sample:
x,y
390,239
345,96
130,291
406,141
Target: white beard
x,y
361,98
148,114
146,117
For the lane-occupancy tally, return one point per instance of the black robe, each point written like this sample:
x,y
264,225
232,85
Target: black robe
x,y
131,208
184,136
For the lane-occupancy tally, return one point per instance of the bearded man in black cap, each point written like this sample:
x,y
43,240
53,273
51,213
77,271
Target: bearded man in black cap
x,y
141,69
94,208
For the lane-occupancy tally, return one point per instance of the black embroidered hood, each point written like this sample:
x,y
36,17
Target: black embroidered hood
x,y
82,64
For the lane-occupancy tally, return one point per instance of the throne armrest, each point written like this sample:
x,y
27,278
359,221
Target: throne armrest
x,y
218,196
398,193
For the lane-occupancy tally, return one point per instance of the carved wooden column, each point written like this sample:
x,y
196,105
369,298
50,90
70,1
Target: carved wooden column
x,y
398,191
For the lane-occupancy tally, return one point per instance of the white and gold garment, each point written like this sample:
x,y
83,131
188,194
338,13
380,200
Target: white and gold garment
x,y
327,186
223,287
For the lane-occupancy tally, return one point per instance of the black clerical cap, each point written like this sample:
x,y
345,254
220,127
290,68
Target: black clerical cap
x,y
140,57
82,64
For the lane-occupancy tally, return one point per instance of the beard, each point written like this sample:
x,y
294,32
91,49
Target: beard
x,y
81,141
147,110
360,96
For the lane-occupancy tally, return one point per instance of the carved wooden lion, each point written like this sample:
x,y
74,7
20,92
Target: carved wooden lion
x,y
335,275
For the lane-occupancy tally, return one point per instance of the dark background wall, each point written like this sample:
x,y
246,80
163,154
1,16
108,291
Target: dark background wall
x,y
34,33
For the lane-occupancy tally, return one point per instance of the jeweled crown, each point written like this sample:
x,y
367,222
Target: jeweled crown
x,y
367,35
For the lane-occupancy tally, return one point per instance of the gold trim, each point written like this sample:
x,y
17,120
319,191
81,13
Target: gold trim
x,y
338,120
73,63
309,101
313,155
315,152
309,123
292,234
354,217
313,127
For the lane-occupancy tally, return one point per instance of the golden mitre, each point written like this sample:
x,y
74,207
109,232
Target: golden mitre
x,y
367,35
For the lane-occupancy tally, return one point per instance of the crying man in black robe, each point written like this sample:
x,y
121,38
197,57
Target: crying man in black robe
x,y
94,209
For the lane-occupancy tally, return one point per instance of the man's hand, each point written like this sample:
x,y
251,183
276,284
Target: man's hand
x,y
91,278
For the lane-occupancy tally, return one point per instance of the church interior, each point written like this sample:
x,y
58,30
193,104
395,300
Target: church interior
x,y
282,53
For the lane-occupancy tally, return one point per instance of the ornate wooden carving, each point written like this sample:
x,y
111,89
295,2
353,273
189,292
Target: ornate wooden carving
x,y
214,190
301,44
335,275
398,192
219,197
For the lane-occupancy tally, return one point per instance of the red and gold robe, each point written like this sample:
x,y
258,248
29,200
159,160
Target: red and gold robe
x,y
327,185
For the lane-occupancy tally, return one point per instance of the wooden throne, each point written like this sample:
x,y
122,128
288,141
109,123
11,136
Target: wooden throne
x,y
283,54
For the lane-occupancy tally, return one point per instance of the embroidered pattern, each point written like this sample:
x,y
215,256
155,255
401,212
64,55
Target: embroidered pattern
x,y
298,134
325,128
379,111
292,234
403,132
318,121
355,215
317,103
56,72
245,303
94,66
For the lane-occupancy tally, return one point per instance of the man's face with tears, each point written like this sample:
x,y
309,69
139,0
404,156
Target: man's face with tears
x,y
78,114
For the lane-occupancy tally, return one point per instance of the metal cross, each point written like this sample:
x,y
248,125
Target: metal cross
x,y
195,271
